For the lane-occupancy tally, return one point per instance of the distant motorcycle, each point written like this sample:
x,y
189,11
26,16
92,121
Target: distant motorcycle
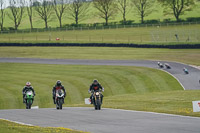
x,y
97,101
185,70
59,99
29,97
160,65
167,66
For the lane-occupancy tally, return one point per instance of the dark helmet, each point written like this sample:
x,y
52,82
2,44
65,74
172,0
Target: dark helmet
x,y
58,83
95,81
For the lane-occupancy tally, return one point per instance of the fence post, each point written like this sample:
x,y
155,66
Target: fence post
x,y
49,36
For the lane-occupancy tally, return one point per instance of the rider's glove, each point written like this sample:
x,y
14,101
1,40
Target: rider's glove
x,y
89,91
102,89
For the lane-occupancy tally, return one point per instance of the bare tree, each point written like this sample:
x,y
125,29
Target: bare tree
x,y
59,8
143,8
17,11
78,10
106,8
122,7
29,9
2,14
177,7
44,11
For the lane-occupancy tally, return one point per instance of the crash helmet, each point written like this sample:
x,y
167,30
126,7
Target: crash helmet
x,y
95,81
28,84
58,83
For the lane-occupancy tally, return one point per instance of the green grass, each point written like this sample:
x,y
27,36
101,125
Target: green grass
x,y
141,35
189,56
134,88
93,18
171,102
8,127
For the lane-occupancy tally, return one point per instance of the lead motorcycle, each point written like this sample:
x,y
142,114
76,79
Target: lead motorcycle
x,y
97,101
59,99
29,97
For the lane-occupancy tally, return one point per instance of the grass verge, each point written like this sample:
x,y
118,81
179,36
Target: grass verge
x,y
189,56
180,34
171,102
8,127
133,88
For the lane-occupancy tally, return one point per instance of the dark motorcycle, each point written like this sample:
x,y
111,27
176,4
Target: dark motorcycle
x,y
167,66
59,99
97,101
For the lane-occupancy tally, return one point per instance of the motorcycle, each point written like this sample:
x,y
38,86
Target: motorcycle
x,y
160,65
167,66
29,97
97,101
59,99
185,71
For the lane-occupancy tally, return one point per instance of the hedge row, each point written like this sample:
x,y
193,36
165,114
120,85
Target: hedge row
x,y
175,46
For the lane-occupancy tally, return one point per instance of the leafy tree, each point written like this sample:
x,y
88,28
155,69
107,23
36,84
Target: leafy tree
x,y
106,8
177,7
2,13
45,11
17,10
59,8
143,8
78,10
122,7
29,9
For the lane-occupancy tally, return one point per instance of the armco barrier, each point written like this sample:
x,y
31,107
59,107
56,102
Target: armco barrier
x,y
175,46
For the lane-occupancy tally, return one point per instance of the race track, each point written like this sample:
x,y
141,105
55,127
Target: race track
x,y
105,120
110,120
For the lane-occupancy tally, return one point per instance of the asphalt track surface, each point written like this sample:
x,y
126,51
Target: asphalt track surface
x,y
105,120
110,120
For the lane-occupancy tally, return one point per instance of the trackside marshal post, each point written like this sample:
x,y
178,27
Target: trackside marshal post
x,y
196,106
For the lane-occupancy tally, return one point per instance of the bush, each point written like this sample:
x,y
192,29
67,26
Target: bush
x,y
128,22
11,28
167,20
153,21
193,19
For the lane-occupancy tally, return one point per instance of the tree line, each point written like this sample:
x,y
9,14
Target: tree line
x,y
77,10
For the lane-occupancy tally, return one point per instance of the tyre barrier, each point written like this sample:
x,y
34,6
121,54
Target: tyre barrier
x,y
173,46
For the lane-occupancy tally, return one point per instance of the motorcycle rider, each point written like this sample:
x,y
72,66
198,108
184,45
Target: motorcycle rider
x,y
95,86
57,87
27,88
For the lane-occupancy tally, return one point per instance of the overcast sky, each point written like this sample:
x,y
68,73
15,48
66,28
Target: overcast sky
x,y
7,1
